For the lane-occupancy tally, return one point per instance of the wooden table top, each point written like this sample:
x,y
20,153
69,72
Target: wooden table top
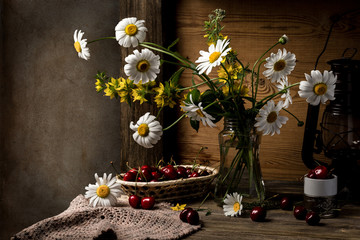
x,y
279,224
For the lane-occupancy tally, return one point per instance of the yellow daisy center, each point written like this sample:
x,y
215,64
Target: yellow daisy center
x,y
200,113
279,65
131,29
143,130
320,89
271,117
103,191
77,46
214,56
143,66
236,207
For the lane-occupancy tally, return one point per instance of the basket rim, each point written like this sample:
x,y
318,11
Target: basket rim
x,y
171,182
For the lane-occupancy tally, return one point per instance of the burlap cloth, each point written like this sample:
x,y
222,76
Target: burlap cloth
x,y
81,221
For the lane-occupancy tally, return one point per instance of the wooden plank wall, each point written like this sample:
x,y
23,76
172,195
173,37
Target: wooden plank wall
x,y
253,26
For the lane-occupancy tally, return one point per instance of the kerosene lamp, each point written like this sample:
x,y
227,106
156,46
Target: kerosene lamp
x,y
339,134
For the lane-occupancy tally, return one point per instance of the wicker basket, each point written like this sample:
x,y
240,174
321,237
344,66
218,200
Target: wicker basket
x,y
173,189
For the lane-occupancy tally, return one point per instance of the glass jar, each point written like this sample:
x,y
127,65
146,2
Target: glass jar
x,y
240,169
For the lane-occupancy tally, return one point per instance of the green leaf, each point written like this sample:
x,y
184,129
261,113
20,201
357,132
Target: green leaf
x,y
176,76
195,93
173,43
195,125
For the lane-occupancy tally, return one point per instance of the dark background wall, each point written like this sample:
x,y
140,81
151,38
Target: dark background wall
x,y
56,131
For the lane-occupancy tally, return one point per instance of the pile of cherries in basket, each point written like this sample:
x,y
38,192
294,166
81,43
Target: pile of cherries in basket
x,y
147,173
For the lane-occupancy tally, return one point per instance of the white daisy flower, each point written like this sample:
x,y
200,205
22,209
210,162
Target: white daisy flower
x,y
130,31
284,83
232,205
197,113
80,45
213,57
318,87
269,120
148,131
104,192
144,65
279,65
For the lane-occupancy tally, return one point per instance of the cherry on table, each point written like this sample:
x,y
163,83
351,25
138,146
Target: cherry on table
x,y
183,214
134,201
312,218
147,202
286,203
300,212
192,217
258,214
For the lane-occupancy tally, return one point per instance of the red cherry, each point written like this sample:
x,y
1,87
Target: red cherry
x,y
146,167
154,169
312,218
258,214
311,174
129,176
134,201
184,213
194,174
156,175
286,203
146,174
147,202
181,171
300,212
169,173
133,170
321,172
192,217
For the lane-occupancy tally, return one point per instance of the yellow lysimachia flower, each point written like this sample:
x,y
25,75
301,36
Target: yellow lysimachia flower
x,y
166,95
139,93
125,89
178,207
233,71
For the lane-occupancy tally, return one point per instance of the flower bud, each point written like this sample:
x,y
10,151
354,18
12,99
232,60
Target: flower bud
x,y
284,39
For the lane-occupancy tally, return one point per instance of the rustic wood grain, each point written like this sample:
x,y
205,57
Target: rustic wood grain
x,y
132,153
253,26
279,224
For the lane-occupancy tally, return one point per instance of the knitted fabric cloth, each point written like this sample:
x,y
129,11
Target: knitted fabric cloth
x,y
81,221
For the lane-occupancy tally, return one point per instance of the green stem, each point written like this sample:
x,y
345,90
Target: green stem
x,y
158,48
182,116
99,39
252,71
257,79
197,85
268,98
300,123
